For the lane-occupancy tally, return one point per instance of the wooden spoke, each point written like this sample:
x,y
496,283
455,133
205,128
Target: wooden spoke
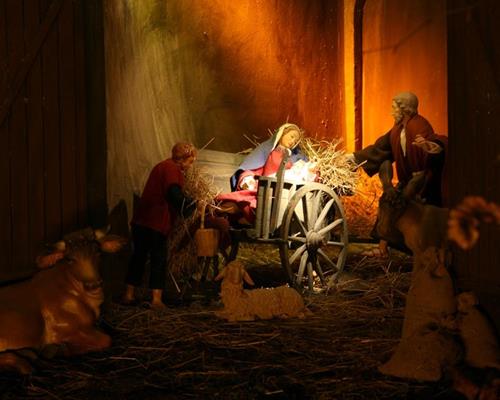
x,y
320,272
297,253
301,224
313,208
331,226
332,243
315,200
310,276
327,259
305,211
299,239
302,267
323,214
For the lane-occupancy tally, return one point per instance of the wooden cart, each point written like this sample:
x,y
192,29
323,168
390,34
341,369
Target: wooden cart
x,y
306,221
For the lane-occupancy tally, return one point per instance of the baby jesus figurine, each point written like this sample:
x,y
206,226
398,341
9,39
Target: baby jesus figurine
x,y
265,161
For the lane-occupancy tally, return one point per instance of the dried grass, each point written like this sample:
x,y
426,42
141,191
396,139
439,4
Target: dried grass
x,y
199,186
188,353
338,171
335,169
362,207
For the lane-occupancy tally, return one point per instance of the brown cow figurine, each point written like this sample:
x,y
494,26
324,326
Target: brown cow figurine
x,y
57,308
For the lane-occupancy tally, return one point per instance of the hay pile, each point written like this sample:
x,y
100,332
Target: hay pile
x,y
362,207
187,353
335,169
338,171
199,186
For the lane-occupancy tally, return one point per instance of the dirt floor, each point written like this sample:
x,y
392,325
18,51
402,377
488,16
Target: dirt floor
x,y
185,352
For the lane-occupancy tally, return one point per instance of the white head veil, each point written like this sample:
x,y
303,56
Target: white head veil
x,y
281,130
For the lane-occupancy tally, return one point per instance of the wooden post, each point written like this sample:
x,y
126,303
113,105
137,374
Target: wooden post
x,y
260,208
268,197
278,192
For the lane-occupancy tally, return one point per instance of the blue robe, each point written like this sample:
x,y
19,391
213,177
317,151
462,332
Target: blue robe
x,y
258,157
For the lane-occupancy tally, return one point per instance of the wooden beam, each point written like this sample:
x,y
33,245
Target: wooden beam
x,y
358,74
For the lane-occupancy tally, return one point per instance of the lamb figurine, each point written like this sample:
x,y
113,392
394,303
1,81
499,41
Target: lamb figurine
x,y
248,305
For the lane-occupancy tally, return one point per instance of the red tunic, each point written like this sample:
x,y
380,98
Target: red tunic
x,y
153,210
388,147
416,159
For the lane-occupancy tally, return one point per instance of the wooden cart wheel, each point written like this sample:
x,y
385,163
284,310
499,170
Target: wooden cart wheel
x,y
315,237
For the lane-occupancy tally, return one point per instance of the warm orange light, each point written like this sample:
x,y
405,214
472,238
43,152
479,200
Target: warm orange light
x,y
404,49
276,61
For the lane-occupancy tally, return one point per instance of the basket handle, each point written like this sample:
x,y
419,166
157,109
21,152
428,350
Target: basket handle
x,y
203,208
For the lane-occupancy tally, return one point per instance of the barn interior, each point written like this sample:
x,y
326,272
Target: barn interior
x,y
94,93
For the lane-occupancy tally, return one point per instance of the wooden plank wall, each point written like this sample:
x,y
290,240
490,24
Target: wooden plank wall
x,y
474,134
42,157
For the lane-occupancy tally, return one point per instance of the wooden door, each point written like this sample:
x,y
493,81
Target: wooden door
x,y
42,128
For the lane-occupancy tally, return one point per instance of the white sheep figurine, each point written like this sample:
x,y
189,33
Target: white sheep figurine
x,y
248,305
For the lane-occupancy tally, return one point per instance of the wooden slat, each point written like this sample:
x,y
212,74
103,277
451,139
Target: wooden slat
x,y
19,187
14,30
277,194
474,95
261,189
52,181
36,201
5,218
268,199
44,7
80,114
96,112
358,73
41,72
21,62
69,203
3,46
18,145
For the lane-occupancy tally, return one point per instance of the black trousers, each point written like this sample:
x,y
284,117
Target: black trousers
x,y
147,242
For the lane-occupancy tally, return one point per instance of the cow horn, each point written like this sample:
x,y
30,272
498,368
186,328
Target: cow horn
x,y
102,232
415,185
60,246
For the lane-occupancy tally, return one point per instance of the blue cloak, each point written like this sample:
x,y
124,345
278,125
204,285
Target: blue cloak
x,y
258,157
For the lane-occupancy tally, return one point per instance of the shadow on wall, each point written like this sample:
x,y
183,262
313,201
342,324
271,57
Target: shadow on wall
x,y
191,70
114,266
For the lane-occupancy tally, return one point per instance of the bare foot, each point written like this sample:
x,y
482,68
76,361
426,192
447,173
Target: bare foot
x,y
128,297
372,253
377,252
128,301
383,248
